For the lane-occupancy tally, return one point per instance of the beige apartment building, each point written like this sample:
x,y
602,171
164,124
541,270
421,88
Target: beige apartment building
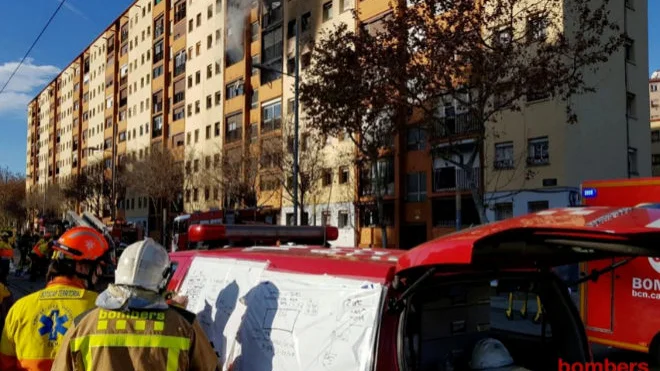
x,y
200,77
654,100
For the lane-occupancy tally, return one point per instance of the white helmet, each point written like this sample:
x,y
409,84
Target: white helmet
x,y
143,264
490,353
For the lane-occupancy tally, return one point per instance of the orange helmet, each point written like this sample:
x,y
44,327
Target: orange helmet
x,y
82,243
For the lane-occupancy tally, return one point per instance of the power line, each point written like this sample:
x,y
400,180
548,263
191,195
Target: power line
x,y
33,44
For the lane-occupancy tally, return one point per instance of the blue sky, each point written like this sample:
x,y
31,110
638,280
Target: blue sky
x,y
75,27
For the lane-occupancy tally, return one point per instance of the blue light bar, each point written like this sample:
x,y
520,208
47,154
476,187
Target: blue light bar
x,y
589,192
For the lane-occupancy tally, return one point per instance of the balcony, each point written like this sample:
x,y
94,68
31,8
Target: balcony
x,y
451,179
179,69
368,188
271,125
461,124
503,164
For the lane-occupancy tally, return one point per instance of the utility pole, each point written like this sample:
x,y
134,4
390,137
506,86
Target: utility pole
x,y
296,127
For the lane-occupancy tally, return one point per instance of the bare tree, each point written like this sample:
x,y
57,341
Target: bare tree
x,y
160,177
12,198
484,57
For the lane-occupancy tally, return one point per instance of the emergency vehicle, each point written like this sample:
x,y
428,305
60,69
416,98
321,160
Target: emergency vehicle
x,y
312,308
620,309
213,236
183,222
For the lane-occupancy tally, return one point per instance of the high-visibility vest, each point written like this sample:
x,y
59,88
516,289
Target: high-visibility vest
x,y
41,248
36,324
6,251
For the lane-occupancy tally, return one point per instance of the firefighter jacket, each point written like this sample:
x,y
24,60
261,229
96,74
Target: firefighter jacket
x,y
6,251
155,340
36,324
42,248
6,301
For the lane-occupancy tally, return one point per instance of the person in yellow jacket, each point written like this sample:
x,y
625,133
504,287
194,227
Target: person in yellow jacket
x,y
133,327
36,324
39,256
6,302
6,255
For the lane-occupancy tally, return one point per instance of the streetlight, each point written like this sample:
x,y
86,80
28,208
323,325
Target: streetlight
x,y
296,127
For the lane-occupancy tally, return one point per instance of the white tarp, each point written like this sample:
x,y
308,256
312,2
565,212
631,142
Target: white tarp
x,y
266,320
213,287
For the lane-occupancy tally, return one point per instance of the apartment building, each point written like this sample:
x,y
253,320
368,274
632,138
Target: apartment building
x,y
539,161
654,100
213,80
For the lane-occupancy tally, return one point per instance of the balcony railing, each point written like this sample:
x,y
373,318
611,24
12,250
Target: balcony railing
x,y
179,69
368,188
450,179
271,125
460,124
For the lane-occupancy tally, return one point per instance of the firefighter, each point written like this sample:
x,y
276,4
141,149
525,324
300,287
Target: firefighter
x,y
36,324
40,254
133,327
6,255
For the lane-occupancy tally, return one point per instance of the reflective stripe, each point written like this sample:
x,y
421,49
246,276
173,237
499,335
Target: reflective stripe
x,y
173,344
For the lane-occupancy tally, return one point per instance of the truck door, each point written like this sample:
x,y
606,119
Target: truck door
x,y
600,298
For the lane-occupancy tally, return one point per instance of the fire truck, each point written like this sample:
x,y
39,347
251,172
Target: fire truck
x,y
183,222
620,308
124,234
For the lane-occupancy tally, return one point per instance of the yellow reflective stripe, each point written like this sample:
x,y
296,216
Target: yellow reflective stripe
x,y
173,344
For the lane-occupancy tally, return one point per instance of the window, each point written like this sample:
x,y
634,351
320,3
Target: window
x,y
157,126
254,99
159,27
197,107
291,29
655,160
234,89
209,41
208,131
537,151
630,49
654,87
180,63
343,175
233,126
504,155
180,11
199,20
503,210
537,28
536,206
655,136
179,113
190,81
255,62
632,161
631,109
327,11
342,219
198,48
218,98
416,187
503,37
416,139
198,77
196,135
306,21
209,101
209,71
209,12
271,116
536,92
254,31
216,129
326,180
158,52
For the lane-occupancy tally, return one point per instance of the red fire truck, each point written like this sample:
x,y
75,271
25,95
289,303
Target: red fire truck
x,y
310,308
620,308
183,222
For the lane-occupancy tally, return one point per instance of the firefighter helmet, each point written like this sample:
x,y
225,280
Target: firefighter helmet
x,y
82,243
489,354
144,264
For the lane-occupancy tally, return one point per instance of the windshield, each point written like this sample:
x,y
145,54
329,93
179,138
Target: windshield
x,y
181,226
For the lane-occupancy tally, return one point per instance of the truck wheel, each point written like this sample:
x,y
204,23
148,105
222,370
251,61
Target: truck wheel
x,y
654,352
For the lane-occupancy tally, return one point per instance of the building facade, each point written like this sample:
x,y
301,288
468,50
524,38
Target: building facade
x,y
213,81
654,102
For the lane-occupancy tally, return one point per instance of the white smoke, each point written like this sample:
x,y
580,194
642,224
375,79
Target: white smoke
x,y
237,13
